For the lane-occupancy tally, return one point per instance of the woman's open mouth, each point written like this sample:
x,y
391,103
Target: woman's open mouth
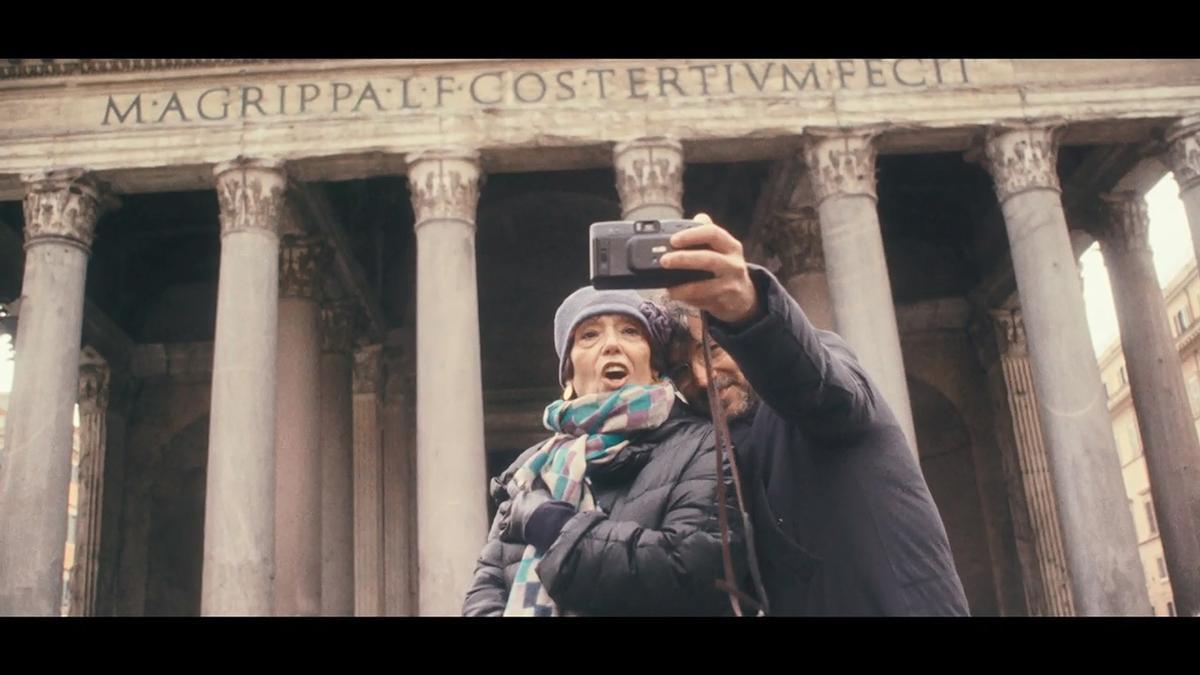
x,y
614,375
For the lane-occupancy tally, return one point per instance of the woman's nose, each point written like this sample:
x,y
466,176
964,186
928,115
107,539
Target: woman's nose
x,y
611,342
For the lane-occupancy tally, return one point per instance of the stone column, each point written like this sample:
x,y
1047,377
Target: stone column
x,y
451,468
239,509
1049,588
1183,158
337,461
399,476
1097,528
122,391
841,166
298,430
650,178
368,485
93,434
793,236
1159,396
61,209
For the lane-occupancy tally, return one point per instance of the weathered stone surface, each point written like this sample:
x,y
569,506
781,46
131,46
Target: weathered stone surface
x,y
1164,416
531,115
452,518
1098,537
35,467
841,167
239,526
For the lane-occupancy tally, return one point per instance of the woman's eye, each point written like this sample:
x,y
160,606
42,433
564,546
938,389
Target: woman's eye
x,y
589,335
630,330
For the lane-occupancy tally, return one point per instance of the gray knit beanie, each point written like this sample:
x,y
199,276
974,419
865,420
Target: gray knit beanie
x,y
588,302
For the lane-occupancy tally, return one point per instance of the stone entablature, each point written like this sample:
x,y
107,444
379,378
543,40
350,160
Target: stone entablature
x,y
145,127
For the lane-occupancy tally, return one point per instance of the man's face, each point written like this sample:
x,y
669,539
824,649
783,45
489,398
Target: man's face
x,y
738,399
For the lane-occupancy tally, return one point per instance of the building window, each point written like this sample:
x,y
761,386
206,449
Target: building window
x,y
1150,519
1170,608
1131,435
1181,321
1162,569
1193,390
1124,379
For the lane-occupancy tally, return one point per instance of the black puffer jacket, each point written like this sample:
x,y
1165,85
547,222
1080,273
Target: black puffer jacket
x,y
653,548
844,522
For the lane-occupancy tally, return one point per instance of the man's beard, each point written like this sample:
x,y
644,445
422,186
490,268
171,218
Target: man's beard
x,y
742,408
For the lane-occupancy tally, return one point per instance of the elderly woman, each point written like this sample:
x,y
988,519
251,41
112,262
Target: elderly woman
x,y
616,513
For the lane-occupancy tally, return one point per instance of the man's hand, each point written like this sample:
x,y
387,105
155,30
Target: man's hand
x,y
730,296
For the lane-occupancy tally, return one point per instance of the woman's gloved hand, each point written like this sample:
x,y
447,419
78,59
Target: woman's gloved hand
x,y
534,518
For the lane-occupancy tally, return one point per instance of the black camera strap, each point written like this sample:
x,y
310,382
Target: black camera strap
x,y
724,448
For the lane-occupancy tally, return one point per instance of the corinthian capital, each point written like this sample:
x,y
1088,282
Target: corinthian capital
x,y
301,262
1022,157
250,193
444,185
64,205
1125,222
1183,151
649,173
841,162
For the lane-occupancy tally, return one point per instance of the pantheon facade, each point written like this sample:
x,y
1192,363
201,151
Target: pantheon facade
x,y
305,306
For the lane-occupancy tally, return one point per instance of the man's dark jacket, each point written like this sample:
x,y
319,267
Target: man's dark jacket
x,y
843,520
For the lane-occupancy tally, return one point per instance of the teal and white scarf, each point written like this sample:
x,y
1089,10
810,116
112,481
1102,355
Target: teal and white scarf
x,y
590,430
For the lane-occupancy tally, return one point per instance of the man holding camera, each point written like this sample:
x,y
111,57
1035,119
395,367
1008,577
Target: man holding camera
x,y
843,520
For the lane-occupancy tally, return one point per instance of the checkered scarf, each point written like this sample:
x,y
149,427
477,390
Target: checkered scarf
x,y
590,430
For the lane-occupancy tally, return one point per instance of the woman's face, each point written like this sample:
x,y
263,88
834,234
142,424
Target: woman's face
x,y
609,351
